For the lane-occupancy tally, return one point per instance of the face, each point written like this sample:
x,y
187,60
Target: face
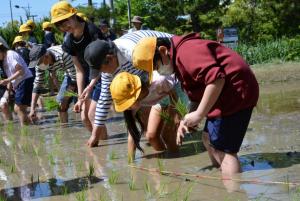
x,y
162,62
137,25
110,64
104,29
45,61
67,25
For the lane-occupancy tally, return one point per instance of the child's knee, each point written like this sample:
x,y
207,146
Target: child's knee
x,y
152,137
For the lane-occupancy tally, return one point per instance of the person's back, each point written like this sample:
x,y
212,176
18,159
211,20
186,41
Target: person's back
x,y
24,53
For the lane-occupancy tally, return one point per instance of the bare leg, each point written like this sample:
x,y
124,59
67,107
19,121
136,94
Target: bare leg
x,y
84,115
98,133
7,115
210,150
131,148
21,112
169,132
154,128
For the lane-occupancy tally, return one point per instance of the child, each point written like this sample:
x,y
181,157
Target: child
x,y
19,45
130,92
20,77
221,84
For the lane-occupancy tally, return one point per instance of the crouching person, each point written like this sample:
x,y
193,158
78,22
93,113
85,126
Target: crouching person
x,y
20,77
52,59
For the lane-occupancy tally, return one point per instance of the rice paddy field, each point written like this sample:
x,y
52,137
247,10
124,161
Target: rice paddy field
x,y
51,162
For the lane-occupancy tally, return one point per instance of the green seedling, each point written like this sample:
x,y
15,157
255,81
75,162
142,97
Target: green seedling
x,y
91,170
13,168
2,198
113,155
113,177
166,116
160,165
25,130
80,166
31,179
103,198
186,196
147,190
131,184
51,159
181,108
69,93
176,193
37,151
57,139
10,127
51,104
81,196
65,190
162,191
68,162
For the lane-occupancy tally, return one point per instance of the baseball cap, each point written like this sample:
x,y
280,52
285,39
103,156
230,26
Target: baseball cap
x,y
36,52
125,90
61,11
143,54
96,52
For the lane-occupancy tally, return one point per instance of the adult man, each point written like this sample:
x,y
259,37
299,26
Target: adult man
x,y
137,22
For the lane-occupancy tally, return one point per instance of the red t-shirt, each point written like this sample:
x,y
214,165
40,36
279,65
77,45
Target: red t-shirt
x,y
200,62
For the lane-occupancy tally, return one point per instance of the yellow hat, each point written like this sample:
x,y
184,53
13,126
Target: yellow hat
x,y
125,90
61,11
31,23
24,28
143,54
46,25
18,39
83,16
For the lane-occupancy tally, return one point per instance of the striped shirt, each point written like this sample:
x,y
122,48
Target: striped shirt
x,y
62,61
125,46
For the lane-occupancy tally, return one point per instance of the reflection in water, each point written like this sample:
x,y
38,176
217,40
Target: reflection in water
x,y
52,187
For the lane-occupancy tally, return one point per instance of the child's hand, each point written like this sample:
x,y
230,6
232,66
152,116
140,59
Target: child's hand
x,y
85,94
77,106
4,82
192,119
182,129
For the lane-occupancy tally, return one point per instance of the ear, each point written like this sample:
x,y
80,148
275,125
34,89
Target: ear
x,y
163,50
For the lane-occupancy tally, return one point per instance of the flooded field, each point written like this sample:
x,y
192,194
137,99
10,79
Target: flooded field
x,y
51,162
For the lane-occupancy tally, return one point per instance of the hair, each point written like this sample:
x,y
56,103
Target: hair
x,y
3,48
132,120
112,51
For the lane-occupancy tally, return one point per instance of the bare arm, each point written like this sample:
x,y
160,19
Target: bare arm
x,y
79,75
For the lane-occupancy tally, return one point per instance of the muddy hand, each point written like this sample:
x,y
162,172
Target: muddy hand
x,y
182,129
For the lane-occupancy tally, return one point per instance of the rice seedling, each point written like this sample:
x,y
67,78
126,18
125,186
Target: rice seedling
x,y
181,108
51,159
68,162
166,117
31,179
113,155
81,196
113,177
10,127
37,151
12,168
69,93
65,190
91,170
25,130
162,192
102,198
132,184
57,139
2,198
147,190
160,165
187,194
176,193
51,104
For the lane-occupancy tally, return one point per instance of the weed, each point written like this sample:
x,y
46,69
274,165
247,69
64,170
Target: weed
x,y
91,170
131,184
113,155
113,177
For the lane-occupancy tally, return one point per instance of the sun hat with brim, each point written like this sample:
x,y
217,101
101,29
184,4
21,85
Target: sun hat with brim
x,y
18,39
3,43
137,19
83,16
24,28
36,52
125,90
61,11
31,23
46,25
143,54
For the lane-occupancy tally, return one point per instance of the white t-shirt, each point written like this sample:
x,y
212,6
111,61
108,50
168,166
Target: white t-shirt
x,y
10,61
160,87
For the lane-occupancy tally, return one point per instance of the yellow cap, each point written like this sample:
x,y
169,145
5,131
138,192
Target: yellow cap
x,y
143,54
61,11
83,16
18,39
31,23
125,90
46,25
24,28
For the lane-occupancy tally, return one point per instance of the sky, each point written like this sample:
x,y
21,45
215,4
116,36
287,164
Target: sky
x,y
41,8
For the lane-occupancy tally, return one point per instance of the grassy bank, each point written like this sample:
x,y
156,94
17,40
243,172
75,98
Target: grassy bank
x,y
277,72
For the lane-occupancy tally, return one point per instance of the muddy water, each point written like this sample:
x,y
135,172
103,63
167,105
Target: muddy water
x,y
51,162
